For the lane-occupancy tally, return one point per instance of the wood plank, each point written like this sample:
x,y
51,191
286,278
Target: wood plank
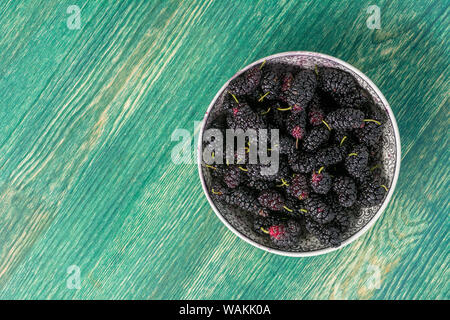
x,y
86,176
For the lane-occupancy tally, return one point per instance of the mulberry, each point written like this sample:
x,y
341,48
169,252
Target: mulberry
x,y
296,124
329,156
315,138
345,189
271,200
302,163
246,83
301,90
342,87
259,184
286,146
370,134
371,194
345,119
232,176
315,117
262,224
318,209
229,102
271,82
243,117
327,235
342,218
243,199
285,235
321,182
356,161
330,152
298,187
218,191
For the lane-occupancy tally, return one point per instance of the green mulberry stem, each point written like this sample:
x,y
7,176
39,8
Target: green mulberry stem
x,y
372,120
234,97
265,112
284,183
262,65
328,127
262,97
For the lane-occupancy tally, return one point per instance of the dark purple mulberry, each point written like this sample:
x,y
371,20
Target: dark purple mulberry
x,y
271,82
315,138
321,182
219,191
271,200
345,119
329,156
286,146
260,184
328,235
246,82
243,117
298,187
342,218
371,194
301,90
342,87
232,176
262,224
345,189
356,161
241,198
370,134
302,163
318,209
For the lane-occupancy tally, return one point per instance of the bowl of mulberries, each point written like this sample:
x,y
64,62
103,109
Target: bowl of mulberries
x,y
335,142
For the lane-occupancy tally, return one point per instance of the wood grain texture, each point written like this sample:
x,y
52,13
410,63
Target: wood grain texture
x,y
86,176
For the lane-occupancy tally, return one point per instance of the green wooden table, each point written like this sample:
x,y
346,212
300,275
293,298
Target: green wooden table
x,y
86,175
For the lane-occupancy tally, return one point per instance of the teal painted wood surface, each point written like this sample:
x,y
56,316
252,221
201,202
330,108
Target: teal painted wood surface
x,y
86,176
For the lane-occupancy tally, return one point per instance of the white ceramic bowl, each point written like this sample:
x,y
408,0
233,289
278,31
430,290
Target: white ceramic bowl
x,y
239,223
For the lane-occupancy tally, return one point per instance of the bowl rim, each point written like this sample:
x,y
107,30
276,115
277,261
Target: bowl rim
x,y
386,200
